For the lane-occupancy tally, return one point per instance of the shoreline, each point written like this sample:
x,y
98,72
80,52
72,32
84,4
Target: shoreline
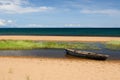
x,y
59,38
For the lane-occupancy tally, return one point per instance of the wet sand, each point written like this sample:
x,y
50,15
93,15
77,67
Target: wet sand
x,y
60,38
57,69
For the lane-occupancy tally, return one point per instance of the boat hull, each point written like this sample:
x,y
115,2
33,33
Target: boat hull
x,y
84,54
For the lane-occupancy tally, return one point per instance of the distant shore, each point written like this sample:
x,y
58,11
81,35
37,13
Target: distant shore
x,y
59,38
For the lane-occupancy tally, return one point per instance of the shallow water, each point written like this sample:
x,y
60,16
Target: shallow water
x,y
55,53
59,53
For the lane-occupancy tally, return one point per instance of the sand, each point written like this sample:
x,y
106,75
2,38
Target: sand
x,y
57,69
60,38
14,68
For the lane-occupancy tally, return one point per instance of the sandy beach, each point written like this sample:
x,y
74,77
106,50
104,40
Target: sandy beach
x,y
57,69
60,38
14,68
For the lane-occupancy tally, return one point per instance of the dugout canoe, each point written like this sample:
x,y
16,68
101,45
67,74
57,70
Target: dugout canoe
x,y
85,54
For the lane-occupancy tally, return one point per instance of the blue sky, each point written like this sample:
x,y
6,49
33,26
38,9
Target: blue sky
x,y
59,13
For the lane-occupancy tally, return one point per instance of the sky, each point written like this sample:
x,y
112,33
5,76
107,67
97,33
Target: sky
x,y
59,13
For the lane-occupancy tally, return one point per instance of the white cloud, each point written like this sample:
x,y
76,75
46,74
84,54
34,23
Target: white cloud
x,y
31,25
72,25
10,21
5,22
92,7
105,11
2,22
47,25
34,25
20,6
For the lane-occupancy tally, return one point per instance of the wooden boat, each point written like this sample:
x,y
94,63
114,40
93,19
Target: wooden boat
x,y
86,54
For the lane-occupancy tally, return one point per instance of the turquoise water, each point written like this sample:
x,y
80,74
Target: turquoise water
x,y
61,31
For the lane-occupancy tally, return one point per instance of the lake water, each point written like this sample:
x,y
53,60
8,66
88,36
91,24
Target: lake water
x,y
55,53
62,31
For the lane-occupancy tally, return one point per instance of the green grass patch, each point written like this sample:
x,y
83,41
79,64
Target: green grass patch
x,y
112,45
26,44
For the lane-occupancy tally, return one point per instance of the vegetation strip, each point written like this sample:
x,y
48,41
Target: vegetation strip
x,y
112,45
27,44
